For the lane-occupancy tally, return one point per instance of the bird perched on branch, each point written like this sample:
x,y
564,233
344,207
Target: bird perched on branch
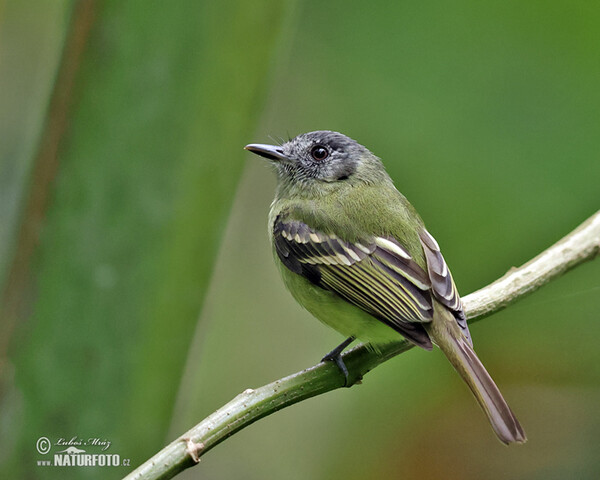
x,y
355,253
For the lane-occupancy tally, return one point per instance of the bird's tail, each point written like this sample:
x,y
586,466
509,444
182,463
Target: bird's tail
x,y
462,357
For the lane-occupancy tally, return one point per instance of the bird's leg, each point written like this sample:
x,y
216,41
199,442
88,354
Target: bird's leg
x,y
336,356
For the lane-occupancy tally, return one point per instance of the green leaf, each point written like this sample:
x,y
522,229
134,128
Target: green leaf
x,y
165,96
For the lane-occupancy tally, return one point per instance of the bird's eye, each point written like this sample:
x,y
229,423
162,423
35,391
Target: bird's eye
x,y
319,153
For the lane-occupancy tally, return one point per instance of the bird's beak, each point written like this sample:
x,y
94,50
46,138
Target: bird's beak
x,y
272,152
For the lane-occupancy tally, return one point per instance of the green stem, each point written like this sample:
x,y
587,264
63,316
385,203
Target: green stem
x,y
251,405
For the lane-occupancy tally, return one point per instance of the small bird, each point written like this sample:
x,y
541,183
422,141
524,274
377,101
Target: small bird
x,y
355,253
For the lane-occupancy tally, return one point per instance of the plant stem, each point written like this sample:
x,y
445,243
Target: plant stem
x,y
251,405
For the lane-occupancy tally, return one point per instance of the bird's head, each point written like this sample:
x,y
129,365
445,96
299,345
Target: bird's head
x,y
321,160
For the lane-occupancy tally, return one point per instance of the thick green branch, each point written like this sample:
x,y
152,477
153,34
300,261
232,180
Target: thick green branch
x,y
579,246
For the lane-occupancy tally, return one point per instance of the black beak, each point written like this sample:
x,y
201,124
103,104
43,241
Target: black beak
x,y
272,152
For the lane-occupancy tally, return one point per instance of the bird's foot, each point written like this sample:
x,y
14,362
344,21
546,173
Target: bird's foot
x,y
335,356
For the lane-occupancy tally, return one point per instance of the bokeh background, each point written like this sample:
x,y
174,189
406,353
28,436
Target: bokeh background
x,y
138,289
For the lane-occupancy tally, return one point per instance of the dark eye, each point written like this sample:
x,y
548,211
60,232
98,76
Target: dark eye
x,y
319,153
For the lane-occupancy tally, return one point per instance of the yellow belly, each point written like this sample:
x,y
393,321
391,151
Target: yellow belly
x,y
337,313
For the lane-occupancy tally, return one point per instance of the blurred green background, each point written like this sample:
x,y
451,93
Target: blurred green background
x,y
138,289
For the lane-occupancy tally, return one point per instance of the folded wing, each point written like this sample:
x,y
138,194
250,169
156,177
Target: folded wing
x,y
377,274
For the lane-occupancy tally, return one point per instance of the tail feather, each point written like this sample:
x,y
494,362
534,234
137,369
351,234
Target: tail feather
x,y
463,358
503,420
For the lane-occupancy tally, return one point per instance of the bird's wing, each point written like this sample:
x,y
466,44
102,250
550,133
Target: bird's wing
x,y
442,283
376,274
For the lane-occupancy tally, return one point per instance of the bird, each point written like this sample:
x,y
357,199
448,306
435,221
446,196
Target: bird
x,y
355,253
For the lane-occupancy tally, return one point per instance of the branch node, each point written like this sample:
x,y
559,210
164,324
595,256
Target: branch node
x,y
193,449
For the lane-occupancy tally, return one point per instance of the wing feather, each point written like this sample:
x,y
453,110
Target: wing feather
x,y
376,274
442,283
